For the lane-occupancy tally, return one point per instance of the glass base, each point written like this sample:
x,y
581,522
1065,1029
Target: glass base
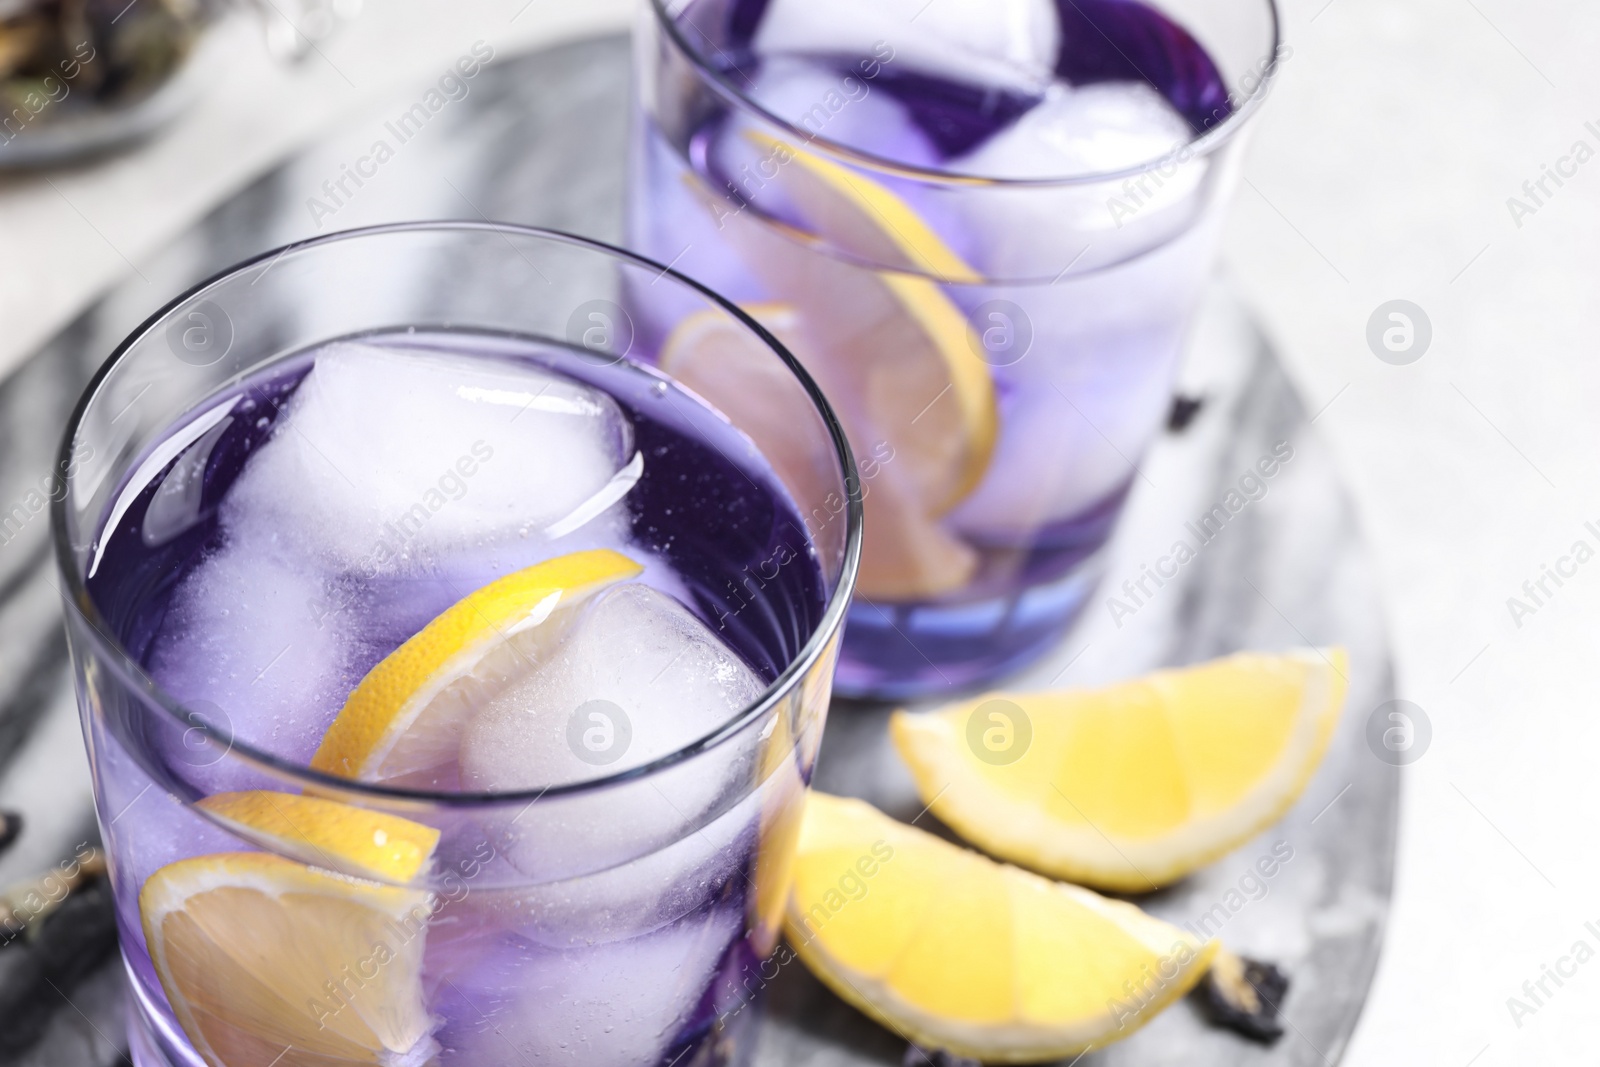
x,y
901,652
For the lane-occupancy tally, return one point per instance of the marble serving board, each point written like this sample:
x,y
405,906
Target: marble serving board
x,y
541,139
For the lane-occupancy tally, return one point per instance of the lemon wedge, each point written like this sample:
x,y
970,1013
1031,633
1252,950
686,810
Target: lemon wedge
x,y
955,951
402,725
341,837
270,962
1130,787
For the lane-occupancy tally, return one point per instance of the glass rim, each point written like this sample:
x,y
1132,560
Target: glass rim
x,y
76,595
1202,144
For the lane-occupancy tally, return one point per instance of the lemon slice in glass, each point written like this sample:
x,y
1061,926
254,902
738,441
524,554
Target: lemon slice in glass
x,y
1130,787
904,553
954,951
896,357
403,724
717,357
862,215
889,331
341,837
269,962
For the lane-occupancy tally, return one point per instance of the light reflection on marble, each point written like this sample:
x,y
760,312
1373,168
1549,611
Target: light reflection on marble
x,y
541,140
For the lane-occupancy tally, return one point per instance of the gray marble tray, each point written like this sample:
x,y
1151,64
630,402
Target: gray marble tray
x,y
541,139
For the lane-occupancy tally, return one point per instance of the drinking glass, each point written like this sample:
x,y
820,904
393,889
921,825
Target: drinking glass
x,y
624,919
968,222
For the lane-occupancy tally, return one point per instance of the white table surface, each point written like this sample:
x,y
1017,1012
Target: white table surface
x,y
1380,170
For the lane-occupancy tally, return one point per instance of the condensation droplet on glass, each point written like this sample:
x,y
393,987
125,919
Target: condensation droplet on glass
x,y
659,389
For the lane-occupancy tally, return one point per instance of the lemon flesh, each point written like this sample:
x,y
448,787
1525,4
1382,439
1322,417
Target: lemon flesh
x,y
267,961
955,951
403,724
341,837
1131,787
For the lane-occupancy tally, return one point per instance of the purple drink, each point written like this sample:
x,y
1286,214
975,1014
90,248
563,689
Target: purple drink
x,y
584,859
175,602
984,228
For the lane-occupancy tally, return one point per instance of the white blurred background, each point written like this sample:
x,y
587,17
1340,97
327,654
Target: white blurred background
x,y
1380,170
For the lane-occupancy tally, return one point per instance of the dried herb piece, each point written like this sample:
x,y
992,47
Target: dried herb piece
x,y
1243,995
10,828
55,948
1183,411
24,907
75,941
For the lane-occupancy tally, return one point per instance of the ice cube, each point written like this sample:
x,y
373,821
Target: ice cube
x,y
601,970
1080,132
821,103
246,635
1003,44
613,903
845,108
617,1004
389,461
638,678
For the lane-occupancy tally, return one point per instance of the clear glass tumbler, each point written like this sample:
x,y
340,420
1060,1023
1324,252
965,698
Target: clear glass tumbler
x,y
984,227
622,919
